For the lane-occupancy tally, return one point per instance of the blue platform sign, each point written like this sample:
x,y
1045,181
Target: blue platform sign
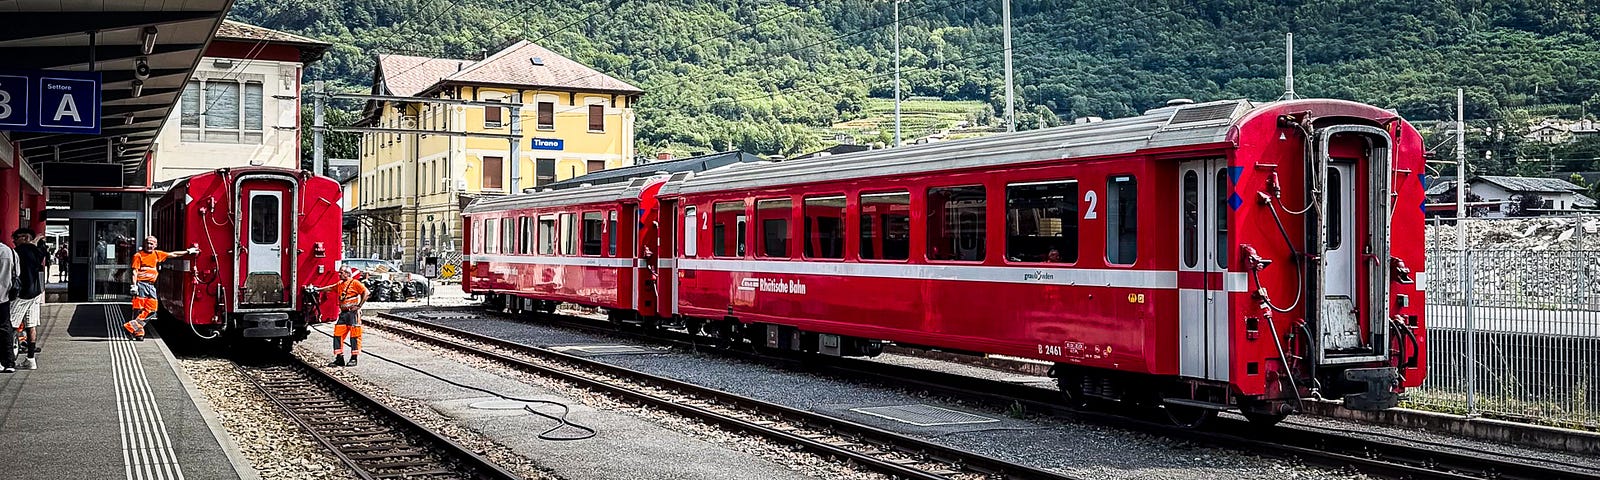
x,y
50,101
547,143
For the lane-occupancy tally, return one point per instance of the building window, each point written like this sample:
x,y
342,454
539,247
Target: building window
x,y
885,225
594,224
544,171
727,229
824,227
596,165
772,217
597,118
491,172
222,111
491,116
547,115
956,226
1122,225
1042,222
547,235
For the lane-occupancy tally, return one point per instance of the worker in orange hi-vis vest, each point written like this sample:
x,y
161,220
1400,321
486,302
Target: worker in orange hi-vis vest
x,y
144,283
352,296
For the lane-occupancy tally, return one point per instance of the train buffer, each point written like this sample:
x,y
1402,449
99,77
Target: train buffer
x,y
103,406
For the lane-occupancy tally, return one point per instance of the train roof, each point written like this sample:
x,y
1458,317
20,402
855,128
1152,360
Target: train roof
x,y
570,196
1170,126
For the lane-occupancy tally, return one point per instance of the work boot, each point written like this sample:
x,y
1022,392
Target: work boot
x,y
338,361
353,360
131,328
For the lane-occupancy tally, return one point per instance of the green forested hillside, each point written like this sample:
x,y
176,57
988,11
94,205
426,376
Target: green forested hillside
x,y
769,76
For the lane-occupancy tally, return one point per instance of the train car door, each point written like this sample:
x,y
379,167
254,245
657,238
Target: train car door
x,y
1339,312
1202,269
669,250
266,232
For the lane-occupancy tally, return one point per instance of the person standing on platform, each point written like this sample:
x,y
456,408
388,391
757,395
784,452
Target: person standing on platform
x,y
144,283
30,294
9,271
61,263
352,296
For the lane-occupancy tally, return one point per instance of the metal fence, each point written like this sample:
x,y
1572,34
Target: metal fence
x,y
1514,320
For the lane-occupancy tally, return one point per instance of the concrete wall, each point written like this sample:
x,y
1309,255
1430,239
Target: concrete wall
x,y
177,157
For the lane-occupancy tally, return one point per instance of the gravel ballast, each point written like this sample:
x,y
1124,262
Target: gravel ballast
x,y
274,444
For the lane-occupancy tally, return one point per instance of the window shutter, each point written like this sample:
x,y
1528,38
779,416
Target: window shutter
x,y
597,118
252,106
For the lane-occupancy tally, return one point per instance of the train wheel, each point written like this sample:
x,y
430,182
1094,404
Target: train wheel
x,y
1187,416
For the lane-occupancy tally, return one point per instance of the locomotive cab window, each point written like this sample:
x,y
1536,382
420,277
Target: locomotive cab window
x,y
547,235
1042,222
727,229
593,233
956,223
885,225
824,227
1122,225
264,219
772,217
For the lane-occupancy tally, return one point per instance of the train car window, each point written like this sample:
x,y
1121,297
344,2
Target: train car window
x,y
490,240
1334,204
264,220
594,235
1221,206
885,225
569,234
956,223
547,235
611,233
1042,222
508,236
772,217
824,227
524,235
1191,219
1122,225
690,233
727,229
477,241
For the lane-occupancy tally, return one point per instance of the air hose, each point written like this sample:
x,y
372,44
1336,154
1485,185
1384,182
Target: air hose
x,y
561,420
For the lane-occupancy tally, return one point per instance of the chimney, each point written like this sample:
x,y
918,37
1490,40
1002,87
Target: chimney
x,y
663,156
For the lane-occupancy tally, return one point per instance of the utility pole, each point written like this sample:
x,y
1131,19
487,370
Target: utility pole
x,y
1011,107
515,142
896,73
1461,172
1288,66
317,124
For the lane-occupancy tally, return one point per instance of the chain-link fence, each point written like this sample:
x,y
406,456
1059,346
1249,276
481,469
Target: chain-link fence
x,y
1514,320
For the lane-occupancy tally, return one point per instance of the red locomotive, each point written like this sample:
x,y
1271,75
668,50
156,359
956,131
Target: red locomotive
x,y
264,234
1199,257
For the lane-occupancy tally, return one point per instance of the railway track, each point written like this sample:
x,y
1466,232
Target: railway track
x,y
1414,459
375,441
871,448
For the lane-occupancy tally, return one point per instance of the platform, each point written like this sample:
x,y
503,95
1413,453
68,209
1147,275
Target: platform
x,y
103,406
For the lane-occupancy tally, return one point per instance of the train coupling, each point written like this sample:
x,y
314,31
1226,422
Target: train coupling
x,y
265,325
1371,388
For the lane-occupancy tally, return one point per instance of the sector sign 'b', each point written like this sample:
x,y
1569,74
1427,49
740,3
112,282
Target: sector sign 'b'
x,y
50,101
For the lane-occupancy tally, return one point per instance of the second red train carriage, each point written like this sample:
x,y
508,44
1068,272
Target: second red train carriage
x,y
1200,257
264,234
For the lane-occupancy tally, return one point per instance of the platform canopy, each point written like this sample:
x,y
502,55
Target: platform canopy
x,y
112,37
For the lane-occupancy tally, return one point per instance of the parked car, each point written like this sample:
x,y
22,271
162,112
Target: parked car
x,y
386,282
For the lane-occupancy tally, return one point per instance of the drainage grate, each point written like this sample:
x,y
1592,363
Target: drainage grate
x,y
924,415
600,349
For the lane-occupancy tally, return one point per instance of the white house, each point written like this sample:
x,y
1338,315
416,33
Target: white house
x,y
242,106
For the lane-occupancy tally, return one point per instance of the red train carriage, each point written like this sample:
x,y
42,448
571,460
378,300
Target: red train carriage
x,y
1198,257
565,246
264,235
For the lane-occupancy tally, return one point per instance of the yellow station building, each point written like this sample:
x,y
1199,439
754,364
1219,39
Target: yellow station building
x,y
408,197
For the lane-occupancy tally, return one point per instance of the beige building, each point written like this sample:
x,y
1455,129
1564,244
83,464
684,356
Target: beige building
x,y
240,107
573,119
